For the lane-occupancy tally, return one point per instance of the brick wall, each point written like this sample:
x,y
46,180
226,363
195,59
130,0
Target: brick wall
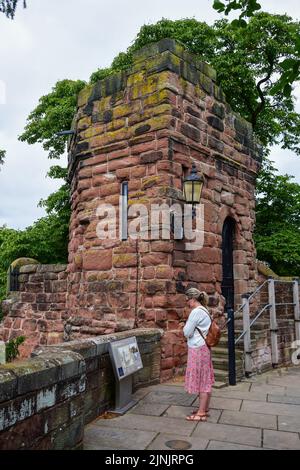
x,y
45,401
38,309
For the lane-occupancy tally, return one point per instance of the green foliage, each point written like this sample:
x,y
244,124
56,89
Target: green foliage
x,y
8,7
247,8
247,60
290,68
2,156
12,348
53,114
277,233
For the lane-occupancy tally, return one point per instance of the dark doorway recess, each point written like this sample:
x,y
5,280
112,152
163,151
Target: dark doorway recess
x,y
227,260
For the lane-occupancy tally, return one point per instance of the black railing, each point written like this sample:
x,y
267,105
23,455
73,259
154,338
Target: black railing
x,y
231,347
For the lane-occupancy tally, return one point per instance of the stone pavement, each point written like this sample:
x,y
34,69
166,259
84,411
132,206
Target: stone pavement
x,y
262,412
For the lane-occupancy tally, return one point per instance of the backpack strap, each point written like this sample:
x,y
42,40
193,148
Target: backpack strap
x,y
198,329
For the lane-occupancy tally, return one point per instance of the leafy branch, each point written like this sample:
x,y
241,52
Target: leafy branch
x,y
8,7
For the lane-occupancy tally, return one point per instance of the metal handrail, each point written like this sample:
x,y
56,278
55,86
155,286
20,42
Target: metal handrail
x,y
283,282
251,296
287,303
252,323
257,290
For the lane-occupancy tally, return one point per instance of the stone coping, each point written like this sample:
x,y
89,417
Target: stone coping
x,y
92,347
53,364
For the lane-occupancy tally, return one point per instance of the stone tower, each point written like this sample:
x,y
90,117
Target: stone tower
x,y
144,128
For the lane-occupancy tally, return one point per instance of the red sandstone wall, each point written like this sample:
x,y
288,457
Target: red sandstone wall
x,y
38,310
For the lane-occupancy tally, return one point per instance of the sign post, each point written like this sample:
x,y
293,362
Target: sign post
x,y
126,360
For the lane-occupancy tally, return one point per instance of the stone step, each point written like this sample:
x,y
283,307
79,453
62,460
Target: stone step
x,y
222,375
221,351
218,385
224,343
223,364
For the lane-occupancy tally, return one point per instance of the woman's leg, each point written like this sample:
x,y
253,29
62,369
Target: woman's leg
x,y
208,402
203,403
200,414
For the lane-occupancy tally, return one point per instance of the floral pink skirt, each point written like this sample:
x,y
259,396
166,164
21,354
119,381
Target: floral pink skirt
x,y
199,377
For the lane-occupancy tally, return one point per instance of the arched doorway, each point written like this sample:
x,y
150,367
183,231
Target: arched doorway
x,y
227,262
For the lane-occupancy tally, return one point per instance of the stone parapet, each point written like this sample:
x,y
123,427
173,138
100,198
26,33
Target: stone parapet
x,y
45,401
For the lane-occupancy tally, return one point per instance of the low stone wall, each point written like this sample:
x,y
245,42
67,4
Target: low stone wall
x,y
46,401
38,310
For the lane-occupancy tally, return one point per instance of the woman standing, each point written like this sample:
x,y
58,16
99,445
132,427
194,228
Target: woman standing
x,y
199,374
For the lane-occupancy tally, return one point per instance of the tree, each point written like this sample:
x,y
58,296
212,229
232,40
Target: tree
x,y
277,233
2,156
8,7
290,68
54,113
248,61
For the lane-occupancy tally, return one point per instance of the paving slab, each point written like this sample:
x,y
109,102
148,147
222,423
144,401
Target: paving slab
x,y
285,381
151,423
244,417
289,423
217,445
271,408
183,411
281,440
227,433
284,399
222,403
160,441
165,397
252,420
239,387
149,409
103,438
241,395
267,388
292,392
167,388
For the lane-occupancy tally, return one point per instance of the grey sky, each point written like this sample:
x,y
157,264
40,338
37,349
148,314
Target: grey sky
x,y
57,39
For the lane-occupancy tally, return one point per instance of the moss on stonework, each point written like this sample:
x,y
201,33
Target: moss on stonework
x,y
18,263
103,105
92,277
135,78
144,200
124,259
84,95
266,271
150,181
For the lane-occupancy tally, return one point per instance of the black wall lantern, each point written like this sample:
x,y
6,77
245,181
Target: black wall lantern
x,y
192,188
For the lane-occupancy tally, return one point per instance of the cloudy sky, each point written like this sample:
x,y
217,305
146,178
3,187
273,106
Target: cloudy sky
x,y
57,39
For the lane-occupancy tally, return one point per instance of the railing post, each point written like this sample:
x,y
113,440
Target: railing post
x,y
296,308
247,336
231,347
2,353
273,322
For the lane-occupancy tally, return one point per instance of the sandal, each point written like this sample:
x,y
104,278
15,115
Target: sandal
x,y
196,417
207,413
